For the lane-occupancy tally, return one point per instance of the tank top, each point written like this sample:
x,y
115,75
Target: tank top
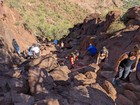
x,y
127,62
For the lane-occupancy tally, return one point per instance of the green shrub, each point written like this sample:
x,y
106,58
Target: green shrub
x,y
115,26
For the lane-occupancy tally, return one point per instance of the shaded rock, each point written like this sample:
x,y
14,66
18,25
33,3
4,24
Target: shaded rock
x,y
13,73
39,82
79,94
132,77
88,96
138,75
107,74
138,103
22,99
133,14
130,95
137,95
19,85
107,67
122,100
131,86
3,82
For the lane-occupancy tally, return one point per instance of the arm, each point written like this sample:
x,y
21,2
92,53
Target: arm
x,y
106,56
136,63
122,57
98,58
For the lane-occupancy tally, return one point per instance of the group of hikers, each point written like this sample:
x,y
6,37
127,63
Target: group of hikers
x,y
32,52
126,64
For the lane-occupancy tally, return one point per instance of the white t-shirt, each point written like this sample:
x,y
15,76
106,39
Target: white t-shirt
x,y
35,49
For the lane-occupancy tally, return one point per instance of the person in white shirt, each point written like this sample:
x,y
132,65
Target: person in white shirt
x,y
35,50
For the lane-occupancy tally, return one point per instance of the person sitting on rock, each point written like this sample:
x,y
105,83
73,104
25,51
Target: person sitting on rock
x,y
16,47
92,50
102,56
124,65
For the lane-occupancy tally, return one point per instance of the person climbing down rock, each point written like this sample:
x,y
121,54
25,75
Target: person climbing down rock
x,y
35,50
124,64
16,47
92,50
102,56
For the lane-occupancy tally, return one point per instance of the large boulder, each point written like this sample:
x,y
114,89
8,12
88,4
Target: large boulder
x,y
110,89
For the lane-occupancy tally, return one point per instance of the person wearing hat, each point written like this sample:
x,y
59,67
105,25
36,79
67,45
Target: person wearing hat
x,y
102,55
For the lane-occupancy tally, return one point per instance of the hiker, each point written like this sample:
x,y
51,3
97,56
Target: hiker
x,y
124,64
62,44
73,58
102,56
55,42
92,50
16,47
76,55
36,50
72,61
30,53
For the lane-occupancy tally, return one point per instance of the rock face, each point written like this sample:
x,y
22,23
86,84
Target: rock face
x,y
45,82
133,16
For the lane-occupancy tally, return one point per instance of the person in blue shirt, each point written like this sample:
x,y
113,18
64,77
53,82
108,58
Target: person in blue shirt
x,y
92,50
55,42
16,47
